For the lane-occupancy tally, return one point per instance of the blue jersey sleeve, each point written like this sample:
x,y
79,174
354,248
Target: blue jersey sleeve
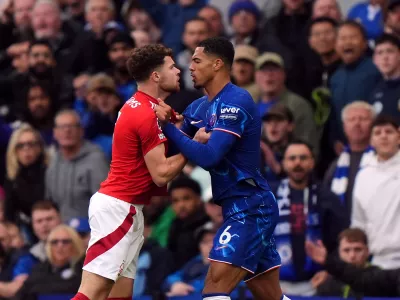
x,y
24,265
233,117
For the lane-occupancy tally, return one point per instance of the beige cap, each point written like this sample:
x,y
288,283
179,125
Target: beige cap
x,y
246,52
269,57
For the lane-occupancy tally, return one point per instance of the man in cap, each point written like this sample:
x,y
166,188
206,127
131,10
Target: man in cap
x,y
277,133
243,69
270,79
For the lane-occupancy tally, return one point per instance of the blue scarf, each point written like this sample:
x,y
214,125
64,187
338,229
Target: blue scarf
x,y
340,179
283,229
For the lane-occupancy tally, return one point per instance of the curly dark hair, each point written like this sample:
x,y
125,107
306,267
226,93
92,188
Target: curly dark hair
x,y
144,60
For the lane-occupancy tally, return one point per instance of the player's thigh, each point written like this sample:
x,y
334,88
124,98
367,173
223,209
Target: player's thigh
x,y
223,278
265,286
113,228
95,286
123,288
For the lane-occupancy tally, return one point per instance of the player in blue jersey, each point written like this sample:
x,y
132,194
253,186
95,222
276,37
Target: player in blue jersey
x,y
244,247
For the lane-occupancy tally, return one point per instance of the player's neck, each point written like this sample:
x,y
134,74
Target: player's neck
x,y
152,91
215,86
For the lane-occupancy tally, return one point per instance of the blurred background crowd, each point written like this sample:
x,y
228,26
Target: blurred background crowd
x,y
325,75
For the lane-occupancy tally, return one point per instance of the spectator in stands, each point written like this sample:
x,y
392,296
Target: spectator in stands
x,y
16,238
39,111
392,23
160,214
47,24
370,15
270,78
277,134
357,118
190,278
286,34
353,249
10,277
77,169
136,18
26,166
243,69
308,211
243,16
45,217
171,18
355,78
195,31
81,226
190,215
75,11
61,272
154,265
214,19
385,96
328,9
379,180
2,200
119,48
141,38
43,70
368,281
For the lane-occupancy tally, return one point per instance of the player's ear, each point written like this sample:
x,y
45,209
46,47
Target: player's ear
x,y
155,76
218,64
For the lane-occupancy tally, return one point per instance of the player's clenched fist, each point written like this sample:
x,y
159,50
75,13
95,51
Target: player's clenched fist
x,y
163,112
202,136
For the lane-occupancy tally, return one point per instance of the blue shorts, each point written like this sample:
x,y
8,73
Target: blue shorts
x,y
246,237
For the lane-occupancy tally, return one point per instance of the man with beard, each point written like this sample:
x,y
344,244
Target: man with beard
x,y
119,48
307,211
43,70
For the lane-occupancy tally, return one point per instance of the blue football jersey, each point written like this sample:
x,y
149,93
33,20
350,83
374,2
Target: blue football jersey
x,y
233,111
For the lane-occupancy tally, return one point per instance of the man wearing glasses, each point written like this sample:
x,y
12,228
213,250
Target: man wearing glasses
x,y
307,211
77,169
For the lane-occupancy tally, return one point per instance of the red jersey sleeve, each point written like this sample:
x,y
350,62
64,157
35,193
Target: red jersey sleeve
x,y
150,133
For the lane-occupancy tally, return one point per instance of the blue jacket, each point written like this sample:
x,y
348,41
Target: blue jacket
x,y
386,97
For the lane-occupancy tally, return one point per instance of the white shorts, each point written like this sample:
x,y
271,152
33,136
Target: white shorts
x,y
116,237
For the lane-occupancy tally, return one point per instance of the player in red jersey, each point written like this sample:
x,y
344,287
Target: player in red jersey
x,y
139,170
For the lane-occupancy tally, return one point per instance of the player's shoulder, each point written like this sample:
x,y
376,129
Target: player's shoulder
x,y
138,108
237,95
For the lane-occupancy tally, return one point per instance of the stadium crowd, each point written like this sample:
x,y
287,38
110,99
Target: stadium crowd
x,y
327,85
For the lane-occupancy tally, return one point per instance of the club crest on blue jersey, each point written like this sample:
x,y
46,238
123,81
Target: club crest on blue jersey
x,y
212,120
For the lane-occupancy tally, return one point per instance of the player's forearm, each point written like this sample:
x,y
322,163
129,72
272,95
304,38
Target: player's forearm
x,y
171,168
203,155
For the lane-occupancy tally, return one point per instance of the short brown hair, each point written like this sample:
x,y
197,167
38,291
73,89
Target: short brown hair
x,y
45,205
354,235
144,60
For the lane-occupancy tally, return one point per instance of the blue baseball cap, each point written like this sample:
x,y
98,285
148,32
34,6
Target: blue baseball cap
x,y
81,225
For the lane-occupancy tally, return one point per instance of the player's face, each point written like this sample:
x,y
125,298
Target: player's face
x,y
201,68
27,149
298,163
169,76
61,246
44,221
385,139
185,202
355,253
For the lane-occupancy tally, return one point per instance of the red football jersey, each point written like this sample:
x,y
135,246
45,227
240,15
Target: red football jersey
x,y
136,132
